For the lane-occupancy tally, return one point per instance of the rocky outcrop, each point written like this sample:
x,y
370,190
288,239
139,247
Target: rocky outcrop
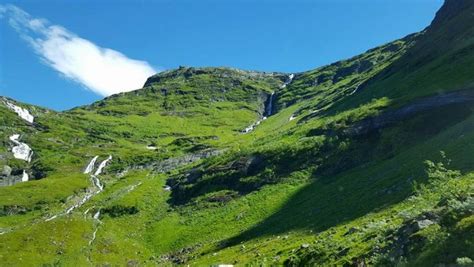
x,y
187,72
173,163
10,177
385,119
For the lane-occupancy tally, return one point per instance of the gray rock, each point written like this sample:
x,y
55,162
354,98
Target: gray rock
x,y
6,170
424,223
390,117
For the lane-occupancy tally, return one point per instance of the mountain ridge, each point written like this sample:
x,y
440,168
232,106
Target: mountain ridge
x,y
349,164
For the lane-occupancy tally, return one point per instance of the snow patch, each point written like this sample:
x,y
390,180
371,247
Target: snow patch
x,y
151,148
167,188
22,112
21,150
292,117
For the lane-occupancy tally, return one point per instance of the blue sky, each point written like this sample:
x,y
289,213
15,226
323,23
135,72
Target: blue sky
x,y
61,54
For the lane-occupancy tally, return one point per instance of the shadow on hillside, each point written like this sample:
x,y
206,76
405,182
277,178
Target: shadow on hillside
x,y
320,205
334,199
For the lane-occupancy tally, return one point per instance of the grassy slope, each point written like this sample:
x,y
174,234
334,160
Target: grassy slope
x,y
309,184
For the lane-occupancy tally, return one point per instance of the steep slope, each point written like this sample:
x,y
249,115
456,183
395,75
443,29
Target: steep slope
x,y
441,61
208,166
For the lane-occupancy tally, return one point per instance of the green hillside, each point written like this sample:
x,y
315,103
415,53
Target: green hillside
x,y
364,162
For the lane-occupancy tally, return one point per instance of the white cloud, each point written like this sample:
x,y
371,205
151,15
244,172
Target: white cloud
x,y
102,70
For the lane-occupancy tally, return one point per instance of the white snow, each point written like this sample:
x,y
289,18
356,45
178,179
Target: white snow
x,y
22,112
292,117
90,166
25,177
102,165
288,81
167,188
151,148
21,150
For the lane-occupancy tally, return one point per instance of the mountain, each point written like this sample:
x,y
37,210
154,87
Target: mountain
x,y
367,161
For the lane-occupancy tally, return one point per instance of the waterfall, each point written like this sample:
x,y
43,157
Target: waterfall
x,y
288,81
22,112
90,192
21,150
25,177
90,166
269,107
102,165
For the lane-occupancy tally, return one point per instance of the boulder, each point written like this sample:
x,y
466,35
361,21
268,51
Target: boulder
x,y
6,170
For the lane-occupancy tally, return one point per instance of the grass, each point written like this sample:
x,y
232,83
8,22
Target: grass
x,y
300,192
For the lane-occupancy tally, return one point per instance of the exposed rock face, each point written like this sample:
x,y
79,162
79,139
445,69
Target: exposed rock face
x,y
6,170
11,179
403,239
385,119
173,163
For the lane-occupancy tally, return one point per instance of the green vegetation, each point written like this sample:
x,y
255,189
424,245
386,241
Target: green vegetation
x,y
336,176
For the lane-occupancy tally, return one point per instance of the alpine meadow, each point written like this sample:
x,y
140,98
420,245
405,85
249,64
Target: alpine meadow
x,y
368,161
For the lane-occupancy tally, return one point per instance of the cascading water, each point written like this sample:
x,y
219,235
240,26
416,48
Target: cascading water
x,y
269,107
21,150
22,112
90,192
